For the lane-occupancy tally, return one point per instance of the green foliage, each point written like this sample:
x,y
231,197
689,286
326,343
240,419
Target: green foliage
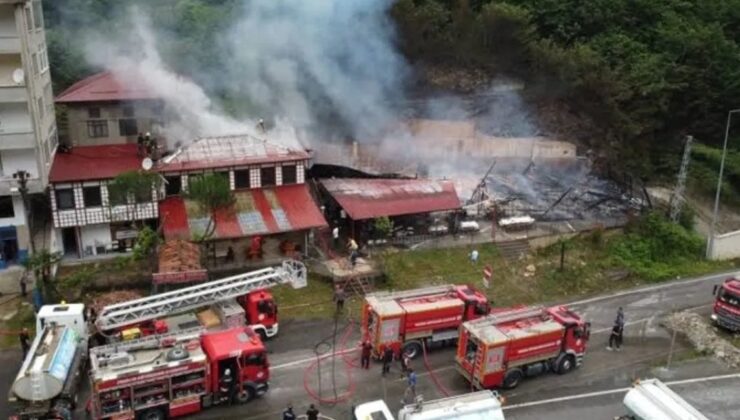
x,y
72,286
211,192
146,242
133,186
657,249
383,226
41,263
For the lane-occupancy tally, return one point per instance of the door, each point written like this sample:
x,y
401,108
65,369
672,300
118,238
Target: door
x,y
69,241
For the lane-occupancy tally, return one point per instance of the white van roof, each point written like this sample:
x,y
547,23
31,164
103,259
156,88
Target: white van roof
x,y
482,405
651,399
65,309
374,410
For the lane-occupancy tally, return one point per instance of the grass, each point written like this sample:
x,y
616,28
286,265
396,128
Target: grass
x,y
24,318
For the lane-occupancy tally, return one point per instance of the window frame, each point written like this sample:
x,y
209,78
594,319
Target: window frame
x,y
58,193
97,129
86,190
3,200
262,176
244,173
295,174
128,123
167,187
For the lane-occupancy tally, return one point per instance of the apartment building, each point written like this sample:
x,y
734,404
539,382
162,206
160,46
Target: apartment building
x,y
101,110
28,133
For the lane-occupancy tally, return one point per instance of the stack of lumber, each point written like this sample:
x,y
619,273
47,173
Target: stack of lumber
x,y
102,300
178,255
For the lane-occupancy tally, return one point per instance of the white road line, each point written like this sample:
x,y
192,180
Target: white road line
x,y
617,391
666,285
308,360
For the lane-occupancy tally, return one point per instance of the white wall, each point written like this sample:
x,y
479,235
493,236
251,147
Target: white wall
x,y
7,20
19,218
14,118
94,236
14,160
725,246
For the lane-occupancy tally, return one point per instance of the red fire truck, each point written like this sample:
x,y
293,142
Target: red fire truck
x,y
726,311
503,348
231,301
171,375
428,316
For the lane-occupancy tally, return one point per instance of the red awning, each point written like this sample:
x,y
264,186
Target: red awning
x,y
255,212
371,198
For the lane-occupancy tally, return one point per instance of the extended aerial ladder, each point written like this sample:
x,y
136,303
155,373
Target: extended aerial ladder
x,y
189,298
414,293
511,315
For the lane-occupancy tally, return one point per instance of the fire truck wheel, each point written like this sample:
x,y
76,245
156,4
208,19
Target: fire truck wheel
x,y
564,363
512,378
153,414
263,335
412,349
246,395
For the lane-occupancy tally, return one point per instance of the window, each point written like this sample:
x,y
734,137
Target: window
x,y
91,196
128,111
38,16
267,176
128,127
53,141
173,185
241,178
34,58
289,174
65,199
6,206
93,112
97,128
43,59
40,105
29,19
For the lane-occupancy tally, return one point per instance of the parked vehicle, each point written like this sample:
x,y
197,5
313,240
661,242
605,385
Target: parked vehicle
x,y
47,382
410,319
175,374
502,349
242,299
476,405
726,310
652,400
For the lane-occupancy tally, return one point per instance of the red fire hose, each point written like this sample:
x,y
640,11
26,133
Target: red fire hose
x,y
348,364
439,385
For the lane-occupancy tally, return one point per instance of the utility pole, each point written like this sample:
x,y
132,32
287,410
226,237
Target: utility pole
x,y
713,225
22,177
678,191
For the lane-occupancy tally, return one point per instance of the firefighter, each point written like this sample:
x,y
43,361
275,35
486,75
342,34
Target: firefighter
x,y
410,394
140,145
312,413
387,360
366,351
227,385
288,414
339,298
25,341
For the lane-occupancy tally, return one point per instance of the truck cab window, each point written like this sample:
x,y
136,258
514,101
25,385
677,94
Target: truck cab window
x,y
266,307
481,308
255,359
729,298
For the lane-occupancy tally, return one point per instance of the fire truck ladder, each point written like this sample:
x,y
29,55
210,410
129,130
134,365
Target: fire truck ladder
x,y
416,293
511,315
148,342
189,298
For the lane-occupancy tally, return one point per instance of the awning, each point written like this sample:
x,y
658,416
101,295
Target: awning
x,y
255,212
371,198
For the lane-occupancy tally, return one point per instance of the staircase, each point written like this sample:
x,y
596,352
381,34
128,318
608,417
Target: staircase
x,y
512,250
358,286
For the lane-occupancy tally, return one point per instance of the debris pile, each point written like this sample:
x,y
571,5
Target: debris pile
x,y
704,337
178,255
102,300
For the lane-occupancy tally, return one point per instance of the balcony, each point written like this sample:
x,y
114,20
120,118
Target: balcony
x,y
13,93
10,45
14,140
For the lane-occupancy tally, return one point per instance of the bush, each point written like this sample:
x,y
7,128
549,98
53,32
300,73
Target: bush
x,y
656,248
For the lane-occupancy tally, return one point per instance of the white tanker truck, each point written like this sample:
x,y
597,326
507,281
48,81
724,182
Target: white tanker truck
x,y
652,400
476,405
46,385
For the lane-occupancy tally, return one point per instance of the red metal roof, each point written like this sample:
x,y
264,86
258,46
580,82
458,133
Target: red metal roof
x,y
103,87
370,198
227,152
255,212
85,163
224,344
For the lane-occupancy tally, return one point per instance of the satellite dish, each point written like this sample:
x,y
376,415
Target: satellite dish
x,y
147,164
18,76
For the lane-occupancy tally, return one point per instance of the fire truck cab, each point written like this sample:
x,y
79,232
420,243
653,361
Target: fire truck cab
x,y
726,310
155,378
408,320
502,349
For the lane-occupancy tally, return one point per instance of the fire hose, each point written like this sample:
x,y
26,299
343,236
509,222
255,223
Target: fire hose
x,y
347,364
439,385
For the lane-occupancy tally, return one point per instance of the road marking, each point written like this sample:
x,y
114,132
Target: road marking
x,y
665,285
310,359
617,391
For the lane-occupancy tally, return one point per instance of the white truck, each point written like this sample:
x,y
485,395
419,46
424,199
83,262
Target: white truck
x,y
46,385
652,400
481,405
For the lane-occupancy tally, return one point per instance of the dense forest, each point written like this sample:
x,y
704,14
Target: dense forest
x,y
644,72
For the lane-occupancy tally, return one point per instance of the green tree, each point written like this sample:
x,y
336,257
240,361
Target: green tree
x,y
211,192
41,263
383,226
133,189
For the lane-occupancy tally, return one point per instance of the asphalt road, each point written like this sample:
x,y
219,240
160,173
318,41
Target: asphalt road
x,y
646,346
